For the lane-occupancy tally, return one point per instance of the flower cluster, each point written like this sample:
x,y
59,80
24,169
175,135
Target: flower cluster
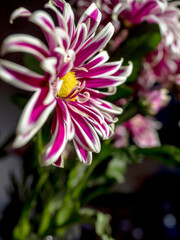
x,y
75,72
160,68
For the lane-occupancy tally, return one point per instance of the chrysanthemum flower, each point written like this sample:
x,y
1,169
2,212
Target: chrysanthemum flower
x,y
110,9
142,130
74,66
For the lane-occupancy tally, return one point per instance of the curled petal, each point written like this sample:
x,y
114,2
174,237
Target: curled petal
x,y
85,134
45,22
59,162
59,3
97,43
98,60
104,70
25,43
105,106
124,71
20,12
99,94
20,76
58,141
49,66
61,21
80,37
83,155
33,117
69,18
91,17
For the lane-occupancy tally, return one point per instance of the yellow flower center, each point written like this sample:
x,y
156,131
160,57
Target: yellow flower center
x,y
69,82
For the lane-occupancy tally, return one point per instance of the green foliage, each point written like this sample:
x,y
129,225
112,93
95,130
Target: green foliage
x,y
32,63
169,155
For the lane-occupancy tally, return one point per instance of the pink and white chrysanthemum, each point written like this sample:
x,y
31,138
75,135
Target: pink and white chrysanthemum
x,y
165,14
110,9
75,69
142,130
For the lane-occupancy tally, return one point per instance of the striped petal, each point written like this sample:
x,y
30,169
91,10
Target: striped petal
x,y
98,60
59,3
33,117
91,17
105,106
20,76
104,82
45,22
85,135
20,12
58,141
80,38
100,71
83,155
97,43
25,43
61,21
69,18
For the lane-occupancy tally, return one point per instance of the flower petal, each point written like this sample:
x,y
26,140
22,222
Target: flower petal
x,y
104,70
80,37
35,113
32,119
85,134
45,22
98,60
61,21
83,155
25,43
58,141
20,12
96,44
20,76
91,17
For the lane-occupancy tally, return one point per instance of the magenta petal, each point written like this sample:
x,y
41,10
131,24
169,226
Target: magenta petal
x,y
35,112
100,71
97,43
84,133
103,82
20,76
83,155
59,139
45,22
98,60
59,162
25,43
80,38
91,17
60,4
20,12
99,94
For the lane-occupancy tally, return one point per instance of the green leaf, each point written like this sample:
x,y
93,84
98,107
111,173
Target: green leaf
x,y
102,226
169,155
116,169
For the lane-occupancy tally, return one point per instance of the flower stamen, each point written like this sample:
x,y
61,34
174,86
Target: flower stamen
x,y
69,83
